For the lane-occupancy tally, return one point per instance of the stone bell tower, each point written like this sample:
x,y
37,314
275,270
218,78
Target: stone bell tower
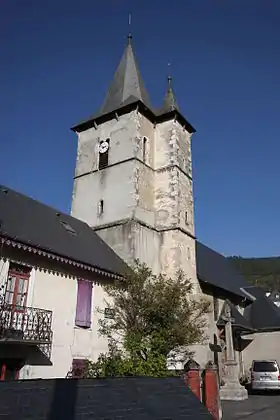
x,y
133,181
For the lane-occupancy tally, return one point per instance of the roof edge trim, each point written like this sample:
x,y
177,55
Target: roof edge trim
x,y
50,255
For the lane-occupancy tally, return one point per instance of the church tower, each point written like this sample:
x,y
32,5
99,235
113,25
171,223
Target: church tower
x,y
133,180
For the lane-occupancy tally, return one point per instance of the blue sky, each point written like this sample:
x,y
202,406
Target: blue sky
x,y
58,57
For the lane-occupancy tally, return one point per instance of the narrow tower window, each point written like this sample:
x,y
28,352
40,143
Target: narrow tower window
x,y
144,149
103,153
100,209
186,218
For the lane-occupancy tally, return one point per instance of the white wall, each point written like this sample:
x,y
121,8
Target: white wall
x,y
264,346
59,294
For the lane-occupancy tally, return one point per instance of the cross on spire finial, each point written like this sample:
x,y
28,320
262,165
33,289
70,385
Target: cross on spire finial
x,y
169,77
129,36
169,103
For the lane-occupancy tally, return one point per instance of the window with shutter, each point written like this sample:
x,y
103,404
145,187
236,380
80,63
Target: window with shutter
x,y
83,309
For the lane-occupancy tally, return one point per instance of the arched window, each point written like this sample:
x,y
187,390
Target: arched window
x,y
103,148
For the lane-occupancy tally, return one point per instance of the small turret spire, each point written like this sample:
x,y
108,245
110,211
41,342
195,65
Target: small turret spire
x,y
169,102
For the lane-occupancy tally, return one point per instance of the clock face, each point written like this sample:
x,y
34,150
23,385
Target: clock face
x,y
103,147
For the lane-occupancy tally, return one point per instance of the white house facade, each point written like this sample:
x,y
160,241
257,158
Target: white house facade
x,y
51,289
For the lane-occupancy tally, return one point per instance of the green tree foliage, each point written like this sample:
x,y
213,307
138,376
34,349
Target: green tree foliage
x,y
118,364
262,272
153,315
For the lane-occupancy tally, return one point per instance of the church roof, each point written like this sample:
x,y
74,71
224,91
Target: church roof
x,y
216,270
255,291
127,83
263,315
238,320
32,223
127,90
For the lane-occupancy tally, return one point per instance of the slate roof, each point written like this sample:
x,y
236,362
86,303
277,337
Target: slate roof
x,y
216,270
116,398
263,315
127,82
30,222
239,321
169,102
127,90
255,291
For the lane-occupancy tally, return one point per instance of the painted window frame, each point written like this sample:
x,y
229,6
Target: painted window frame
x,y
20,275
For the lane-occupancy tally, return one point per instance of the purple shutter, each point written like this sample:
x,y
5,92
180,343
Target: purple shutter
x,y
83,309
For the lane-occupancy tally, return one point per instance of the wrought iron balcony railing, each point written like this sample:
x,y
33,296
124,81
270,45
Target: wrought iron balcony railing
x,y
24,324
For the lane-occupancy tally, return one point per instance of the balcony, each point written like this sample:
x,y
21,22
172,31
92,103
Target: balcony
x,y
26,325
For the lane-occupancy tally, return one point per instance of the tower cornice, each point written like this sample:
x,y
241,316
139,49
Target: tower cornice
x,y
130,105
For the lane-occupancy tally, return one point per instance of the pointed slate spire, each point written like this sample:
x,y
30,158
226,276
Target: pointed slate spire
x,y
127,85
169,102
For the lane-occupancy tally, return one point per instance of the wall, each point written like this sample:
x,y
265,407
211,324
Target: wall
x,y
54,287
132,240
203,353
118,184
59,294
264,346
178,252
114,185
173,178
126,185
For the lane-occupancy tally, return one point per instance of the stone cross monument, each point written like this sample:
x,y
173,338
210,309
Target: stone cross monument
x,y
232,390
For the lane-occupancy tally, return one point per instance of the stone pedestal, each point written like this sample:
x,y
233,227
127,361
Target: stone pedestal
x,y
232,390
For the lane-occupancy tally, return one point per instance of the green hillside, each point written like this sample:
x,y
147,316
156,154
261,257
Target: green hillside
x,y
263,272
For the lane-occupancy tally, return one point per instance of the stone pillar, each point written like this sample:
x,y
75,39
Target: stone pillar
x,y
232,389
